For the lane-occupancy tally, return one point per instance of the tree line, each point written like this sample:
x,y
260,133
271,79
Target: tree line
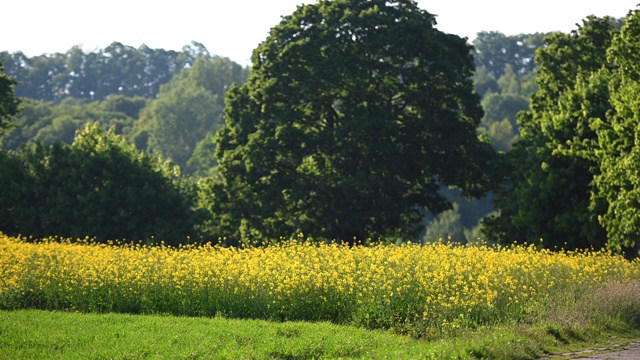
x,y
343,130
95,75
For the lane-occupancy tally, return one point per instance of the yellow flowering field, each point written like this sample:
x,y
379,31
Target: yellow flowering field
x,y
415,288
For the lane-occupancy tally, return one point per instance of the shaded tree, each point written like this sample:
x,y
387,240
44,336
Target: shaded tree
x,y
447,227
215,74
35,114
484,82
9,103
180,117
354,114
202,162
130,106
100,187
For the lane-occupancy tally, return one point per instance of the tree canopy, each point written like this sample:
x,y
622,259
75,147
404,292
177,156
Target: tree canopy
x,y
494,50
359,120
572,174
49,122
188,110
354,115
9,103
98,187
116,69
616,148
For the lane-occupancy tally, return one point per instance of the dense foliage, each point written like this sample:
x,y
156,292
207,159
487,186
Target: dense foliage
x,y
99,187
116,69
183,117
48,122
616,149
425,291
496,51
547,191
504,93
353,116
572,175
9,103
187,112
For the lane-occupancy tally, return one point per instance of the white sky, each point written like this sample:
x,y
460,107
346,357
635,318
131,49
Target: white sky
x,y
233,28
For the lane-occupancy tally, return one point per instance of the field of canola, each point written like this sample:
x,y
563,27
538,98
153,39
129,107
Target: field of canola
x,y
416,289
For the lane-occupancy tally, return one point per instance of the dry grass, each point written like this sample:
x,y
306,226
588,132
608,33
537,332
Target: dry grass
x,y
616,300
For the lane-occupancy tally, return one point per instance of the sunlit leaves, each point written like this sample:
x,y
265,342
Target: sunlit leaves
x,y
618,149
548,188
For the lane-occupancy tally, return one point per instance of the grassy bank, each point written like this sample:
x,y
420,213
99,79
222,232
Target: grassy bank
x,y
37,334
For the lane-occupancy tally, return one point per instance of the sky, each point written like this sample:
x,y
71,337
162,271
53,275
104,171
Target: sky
x,y
233,28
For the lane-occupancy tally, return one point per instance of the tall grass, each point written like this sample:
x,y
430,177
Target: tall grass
x,y
419,290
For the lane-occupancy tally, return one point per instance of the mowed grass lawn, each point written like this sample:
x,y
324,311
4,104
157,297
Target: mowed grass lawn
x,y
312,301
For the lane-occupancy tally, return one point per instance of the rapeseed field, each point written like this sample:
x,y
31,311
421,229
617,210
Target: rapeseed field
x,y
423,290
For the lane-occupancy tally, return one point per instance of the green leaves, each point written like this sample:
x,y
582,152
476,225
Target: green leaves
x,y
116,69
188,111
548,192
576,175
100,187
353,115
495,51
9,104
617,150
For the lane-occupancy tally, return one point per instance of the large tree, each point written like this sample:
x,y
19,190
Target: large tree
x,y
181,116
354,115
547,192
617,148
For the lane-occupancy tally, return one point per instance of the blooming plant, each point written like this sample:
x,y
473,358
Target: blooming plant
x,y
419,289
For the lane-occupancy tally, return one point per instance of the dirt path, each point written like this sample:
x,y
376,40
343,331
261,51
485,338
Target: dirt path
x,y
628,351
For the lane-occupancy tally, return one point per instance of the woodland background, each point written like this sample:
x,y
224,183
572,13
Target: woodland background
x,y
118,143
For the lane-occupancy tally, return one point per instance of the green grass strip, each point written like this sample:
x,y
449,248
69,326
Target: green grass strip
x,y
37,334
